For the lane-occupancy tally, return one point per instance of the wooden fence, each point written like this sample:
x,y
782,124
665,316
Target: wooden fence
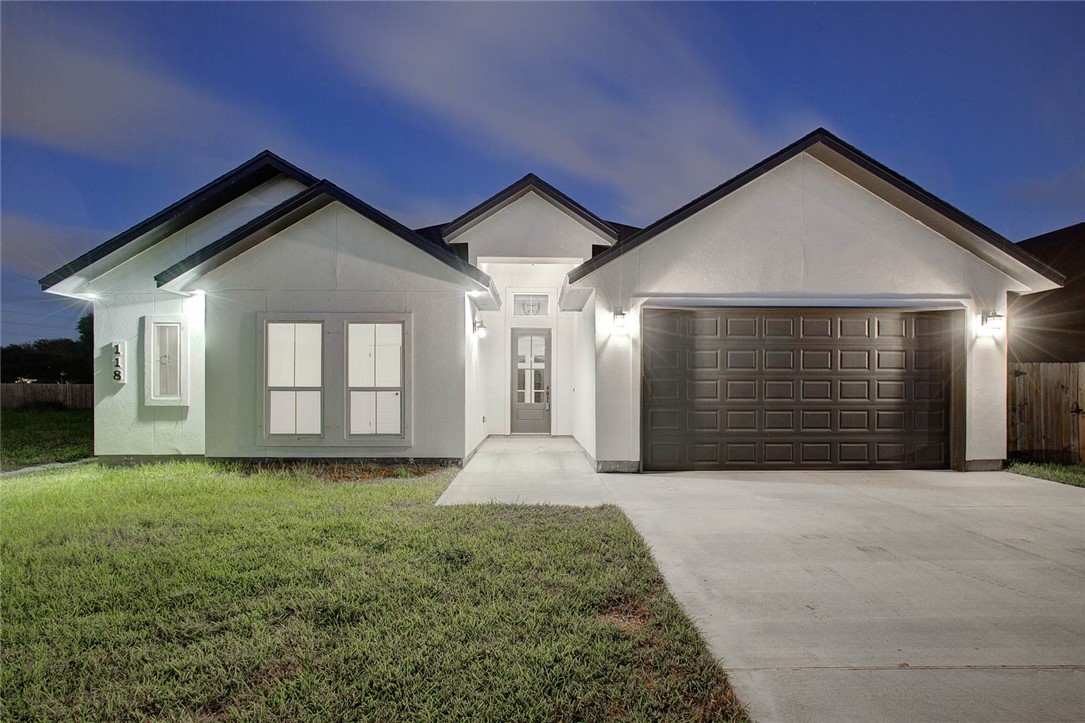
x,y
73,396
1046,421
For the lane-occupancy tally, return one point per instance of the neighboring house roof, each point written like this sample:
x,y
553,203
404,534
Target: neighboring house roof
x,y
289,212
528,183
1050,326
224,189
829,149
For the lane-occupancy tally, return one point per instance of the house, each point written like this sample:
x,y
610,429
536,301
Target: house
x,y
1050,326
816,311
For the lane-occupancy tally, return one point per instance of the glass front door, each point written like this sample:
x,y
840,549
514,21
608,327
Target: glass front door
x,y
531,381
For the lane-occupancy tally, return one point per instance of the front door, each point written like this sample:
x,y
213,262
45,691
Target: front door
x,y
531,381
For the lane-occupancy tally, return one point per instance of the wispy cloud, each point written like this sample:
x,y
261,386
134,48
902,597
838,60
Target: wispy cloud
x,y
99,103
32,248
614,94
92,89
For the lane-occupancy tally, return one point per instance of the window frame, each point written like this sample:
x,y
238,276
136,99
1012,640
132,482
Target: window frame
x,y
335,394
150,399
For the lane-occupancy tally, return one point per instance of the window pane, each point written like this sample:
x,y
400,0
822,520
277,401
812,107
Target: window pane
x,y
390,334
308,412
388,413
167,355
539,386
388,367
307,338
389,340
282,413
363,412
360,362
538,350
530,305
523,351
280,355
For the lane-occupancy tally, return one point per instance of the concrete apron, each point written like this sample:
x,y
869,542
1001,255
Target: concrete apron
x,y
865,596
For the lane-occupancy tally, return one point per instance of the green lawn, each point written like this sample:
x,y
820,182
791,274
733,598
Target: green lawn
x,y
1071,474
190,591
31,436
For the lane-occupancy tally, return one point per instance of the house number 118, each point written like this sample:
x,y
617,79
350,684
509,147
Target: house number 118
x,y
118,369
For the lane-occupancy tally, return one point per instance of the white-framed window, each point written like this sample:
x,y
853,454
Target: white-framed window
x,y
375,392
165,347
531,305
294,359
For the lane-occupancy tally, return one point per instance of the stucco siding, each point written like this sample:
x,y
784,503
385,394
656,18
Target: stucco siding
x,y
530,227
127,295
336,262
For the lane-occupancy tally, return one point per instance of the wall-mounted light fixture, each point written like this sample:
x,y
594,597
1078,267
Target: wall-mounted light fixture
x,y
619,320
992,321
480,329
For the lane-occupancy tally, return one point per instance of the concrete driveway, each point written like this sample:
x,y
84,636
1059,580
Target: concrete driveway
x,y
918,596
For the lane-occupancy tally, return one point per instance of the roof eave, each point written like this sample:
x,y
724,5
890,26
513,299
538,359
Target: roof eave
x,y
182,274
231,185
1012,261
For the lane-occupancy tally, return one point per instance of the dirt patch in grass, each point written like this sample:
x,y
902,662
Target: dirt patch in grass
x,y
629,616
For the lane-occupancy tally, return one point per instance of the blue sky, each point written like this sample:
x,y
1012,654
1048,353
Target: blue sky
x,y
110,112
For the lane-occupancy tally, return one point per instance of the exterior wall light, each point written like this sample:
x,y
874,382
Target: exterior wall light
x,y
480,329
992,321
619,320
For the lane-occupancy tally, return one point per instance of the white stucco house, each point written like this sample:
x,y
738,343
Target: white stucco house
x,y
817,310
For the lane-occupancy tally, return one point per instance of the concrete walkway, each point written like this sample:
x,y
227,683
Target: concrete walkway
x,y
528,470
865,596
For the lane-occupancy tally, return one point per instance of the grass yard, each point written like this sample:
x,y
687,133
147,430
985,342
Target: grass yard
x,y
1071,474
192,591
34,435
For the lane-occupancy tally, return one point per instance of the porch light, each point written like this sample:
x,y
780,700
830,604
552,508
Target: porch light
x,y
480,329
619,320
993,321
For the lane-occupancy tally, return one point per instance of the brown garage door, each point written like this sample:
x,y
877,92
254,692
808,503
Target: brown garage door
x,y
788,388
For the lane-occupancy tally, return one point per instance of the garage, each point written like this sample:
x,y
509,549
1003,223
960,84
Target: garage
x,y
734,388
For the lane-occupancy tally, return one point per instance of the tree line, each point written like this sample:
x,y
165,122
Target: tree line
x,y
50,361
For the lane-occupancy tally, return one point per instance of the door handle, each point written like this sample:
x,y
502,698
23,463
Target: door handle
x,y
548,397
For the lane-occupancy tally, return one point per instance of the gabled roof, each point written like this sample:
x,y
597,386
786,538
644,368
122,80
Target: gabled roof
x,y
828,148
224,189
528,183
289,212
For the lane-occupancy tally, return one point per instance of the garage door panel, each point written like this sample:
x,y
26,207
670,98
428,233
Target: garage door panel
x,y
794,388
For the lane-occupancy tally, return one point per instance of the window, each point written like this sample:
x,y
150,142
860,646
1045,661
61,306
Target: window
x,y
375,378
531,369
294,360
165,361
334,379
530,305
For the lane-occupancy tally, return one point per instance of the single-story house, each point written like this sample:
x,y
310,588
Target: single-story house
x,y
815,311
1050,326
